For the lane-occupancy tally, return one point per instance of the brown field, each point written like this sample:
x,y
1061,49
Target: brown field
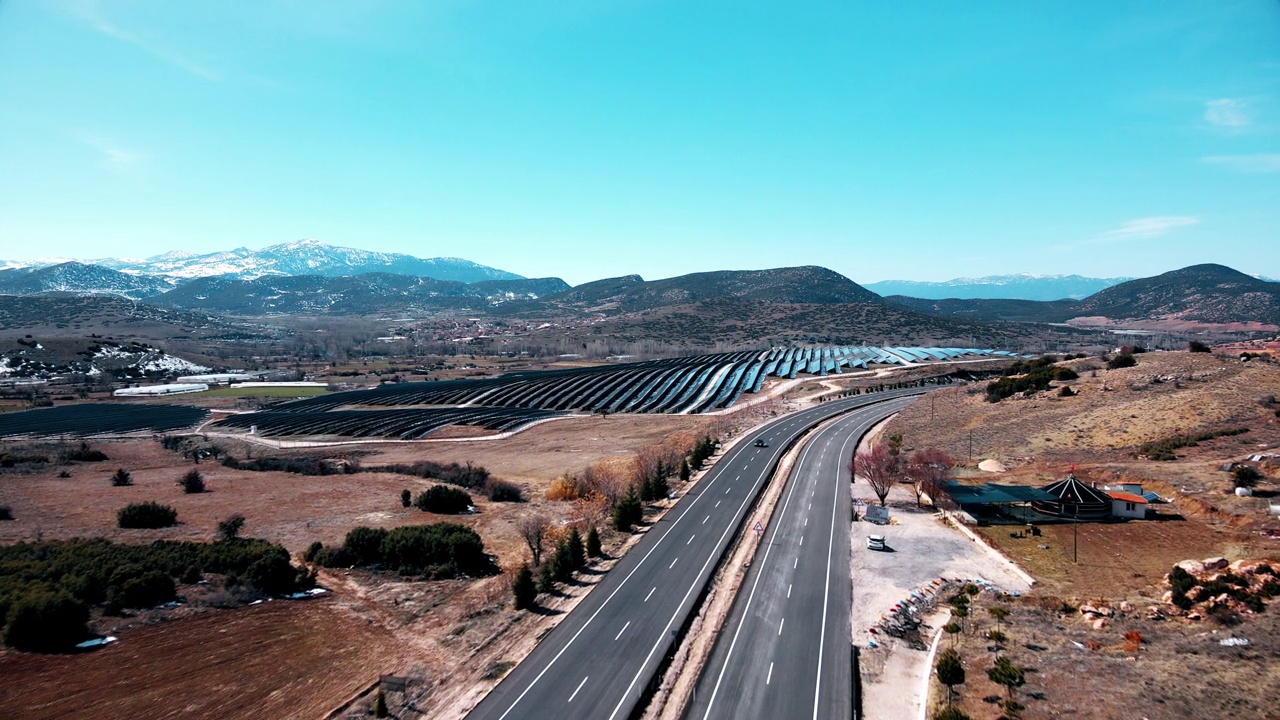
x,y
1182,670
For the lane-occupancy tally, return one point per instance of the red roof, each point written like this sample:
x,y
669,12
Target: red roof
x,y
1127,497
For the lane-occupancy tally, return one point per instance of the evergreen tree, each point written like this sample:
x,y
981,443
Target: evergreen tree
x,y
1007,674
593,543
380,705
406,498
950,670
685,473
524,589
562,562
577,550
546,578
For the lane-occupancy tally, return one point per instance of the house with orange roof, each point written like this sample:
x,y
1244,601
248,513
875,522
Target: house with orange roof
x,y
1127,505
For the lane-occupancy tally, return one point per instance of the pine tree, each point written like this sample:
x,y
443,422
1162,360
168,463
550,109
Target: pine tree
x,y
406,498
950,670
593,543
1007,674
562,562
380,705
685,473
547,578
577,550
524,589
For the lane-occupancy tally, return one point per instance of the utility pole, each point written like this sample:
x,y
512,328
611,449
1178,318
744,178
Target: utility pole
x,y
1075,536
970,444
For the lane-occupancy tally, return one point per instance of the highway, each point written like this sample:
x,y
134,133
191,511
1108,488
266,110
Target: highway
x,y
784,650
599,661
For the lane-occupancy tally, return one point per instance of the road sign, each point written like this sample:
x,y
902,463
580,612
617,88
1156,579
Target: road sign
x,y
759,528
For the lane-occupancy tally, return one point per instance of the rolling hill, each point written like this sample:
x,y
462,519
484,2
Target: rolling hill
x,y
1200,293
78,277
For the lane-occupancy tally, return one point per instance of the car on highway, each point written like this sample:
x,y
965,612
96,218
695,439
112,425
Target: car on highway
x,y
761,443
875,542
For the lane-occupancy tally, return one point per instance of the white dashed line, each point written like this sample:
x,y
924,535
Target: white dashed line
x,y
584,682
788,591
624,629
673,563
781,622
646,597
705,519
770,677
717,503
796,564
691,537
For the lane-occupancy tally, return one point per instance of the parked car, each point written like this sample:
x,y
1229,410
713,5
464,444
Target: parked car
x,y
875,542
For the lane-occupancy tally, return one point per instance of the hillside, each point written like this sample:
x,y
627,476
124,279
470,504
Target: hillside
x,y
80,278
1022,286
1201,293
808,284
62,314
370,293
990,310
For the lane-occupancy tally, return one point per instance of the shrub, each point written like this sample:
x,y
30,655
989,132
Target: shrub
x,y
1196,346
950,712
1246,476
131,589
1066,391
406,498
84,454
443,500
1064,373
439,550
563,488
524,590
147,515
45,621
503,491
1123,360
230,528
364,544
192,483
121,478
380,705
312,551
1163,449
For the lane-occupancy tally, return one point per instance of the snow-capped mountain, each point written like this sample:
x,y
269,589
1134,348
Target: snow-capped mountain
x,y
302,257
78,277
1023,286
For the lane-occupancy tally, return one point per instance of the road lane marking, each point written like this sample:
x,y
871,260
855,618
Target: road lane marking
x,y
705,519
806,522
691,537
796,565
717,503
768,679
646,597
624,629
575,692
780,624
673,563
801,541
788,592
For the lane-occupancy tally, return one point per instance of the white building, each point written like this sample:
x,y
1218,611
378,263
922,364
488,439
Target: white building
x,y
1128,505
153,390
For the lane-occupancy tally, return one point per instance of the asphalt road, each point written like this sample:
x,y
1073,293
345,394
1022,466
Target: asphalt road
x,y
784,650
597,663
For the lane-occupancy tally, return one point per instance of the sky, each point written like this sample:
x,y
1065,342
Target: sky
x,y
588,138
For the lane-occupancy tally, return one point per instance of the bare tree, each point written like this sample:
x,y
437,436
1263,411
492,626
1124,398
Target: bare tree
x,y
927,469
879,468
533,528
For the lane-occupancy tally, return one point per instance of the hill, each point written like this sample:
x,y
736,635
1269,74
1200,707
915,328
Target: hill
x,y
1022,286
370,293
990,310
808,285
1200,293
75,314
79,277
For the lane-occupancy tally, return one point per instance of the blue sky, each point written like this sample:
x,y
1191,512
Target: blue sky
x,y
590,139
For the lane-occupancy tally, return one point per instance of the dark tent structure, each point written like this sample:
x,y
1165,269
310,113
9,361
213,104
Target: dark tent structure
x,y
1074,501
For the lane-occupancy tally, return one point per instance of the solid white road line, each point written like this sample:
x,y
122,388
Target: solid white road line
x,y
624,629
575,692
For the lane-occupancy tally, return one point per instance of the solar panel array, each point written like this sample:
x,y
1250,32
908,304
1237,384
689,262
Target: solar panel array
x,y
401,423
86,419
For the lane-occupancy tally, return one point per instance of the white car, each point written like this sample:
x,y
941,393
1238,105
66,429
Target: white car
x,y
875,542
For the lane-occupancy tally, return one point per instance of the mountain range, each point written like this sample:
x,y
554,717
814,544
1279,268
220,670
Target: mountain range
x,y
1023,286
302,257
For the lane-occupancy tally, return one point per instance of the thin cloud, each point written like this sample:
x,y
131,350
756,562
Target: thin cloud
x,y
1228,113
1257,163
114,157
89,13
1145,228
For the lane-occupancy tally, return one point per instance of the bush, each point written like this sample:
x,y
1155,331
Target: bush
x,y
312,551
563,488
230,528
503,491
1246,476
439,550
443,500
1196,346
406,498
1066,391
84,454
192,483
950,712
146,515
1064,373
122,478
45,621
1163,449
133,589
1123,360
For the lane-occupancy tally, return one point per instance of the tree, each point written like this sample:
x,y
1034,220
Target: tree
x,y
629,511
1005,673
443,500
406,498
1123,360
45,621
950,670
1196,346
1246,476
953,629
593,543
562,562
894,441
230,528
533,528
577,550
685,472
546,578
1000,614
148,515
927,469
524,589
951,712
192,483
122,478
380,705
878,467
